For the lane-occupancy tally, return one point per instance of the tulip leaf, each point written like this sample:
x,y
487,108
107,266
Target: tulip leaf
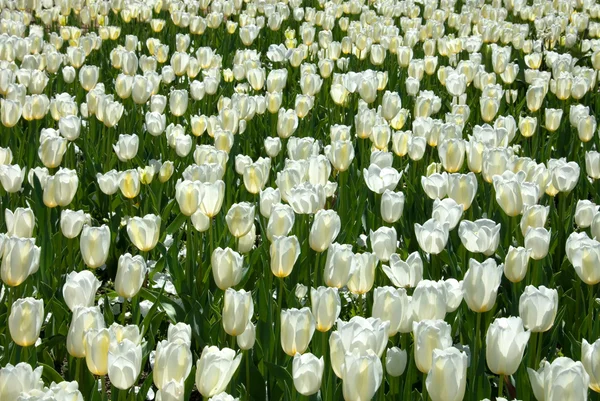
x,y
49,374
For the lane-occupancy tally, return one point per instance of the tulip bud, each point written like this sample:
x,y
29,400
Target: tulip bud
x,y
432,236
404,273
363,273
25,321
143,232
172,362
214,370
515,263
505,344
281,221
384,242
171,391
430,335
307,372
97,343
71,222
227,267
429,300
19,223
109,182
284,252
326,226
538,240
297,328
389,304
131,273
21,258
392,205
247,339
129,183
480,285
447,379
18,379
94,245
124,364
240,218
238,308
339,265
538,308
326,307
189,194
395,361
362,374
482,235
84,319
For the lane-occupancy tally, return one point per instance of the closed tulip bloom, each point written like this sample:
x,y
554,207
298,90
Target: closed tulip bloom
x,y
172,362
515,263
430,335
171,391
362,374
297,329
527,126
379,179
109,182
534,216
429,300
552,118
538,308
25,321
131,273
564,175
325,228
586,128
80,289
126,147
359,334
363,273
124,364
435,185
19,223
564,379
508,192
88,76
65,186
189,194
590,358
84,319
21,258
269,197
452,154
97,343
447,379
240,218
585,212
340,154
52,149
129,183
390,304
326,307
462,188
432,236
480,236
447,211
178,102
94,244
247,339
339,265
384,242
392,205
143,232
480,284
505,344
538,240
306,198
10,112
281,221
18,379
227,267
238,308
307,372
284,252
71,222
395,361
404,273
272,146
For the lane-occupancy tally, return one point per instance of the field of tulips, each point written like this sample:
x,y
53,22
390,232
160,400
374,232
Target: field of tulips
x,y
299,200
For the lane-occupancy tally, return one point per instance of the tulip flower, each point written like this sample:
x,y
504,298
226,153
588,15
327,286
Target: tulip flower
x,y
71,222
447,379
25,321
84,319
429,300
538,308
432,236
307,372
363,273
383,242
227,267
362,375
214,370
505,344
94,244
358,334
212,200
325,228
563,379
131,273
129,183
538,240
339,265
306,198
80,289
97,344
65,186
392,205
240,218
281,221
247,339
297,328
172,362
171,391
238,308
378,179
18,379
124,364
405,273
481,235
284,252
447,211
326,307
515,263
480,285
462,188
21,258
269,197
389,304
534,216
435,185
430,335
126,147
189,194
590,361
144,231
19,223
109,182
395,361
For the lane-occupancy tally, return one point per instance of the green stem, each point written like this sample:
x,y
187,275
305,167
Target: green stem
x,y
500,385
124,310
316,272
476,351
424,387
591,312
247,361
